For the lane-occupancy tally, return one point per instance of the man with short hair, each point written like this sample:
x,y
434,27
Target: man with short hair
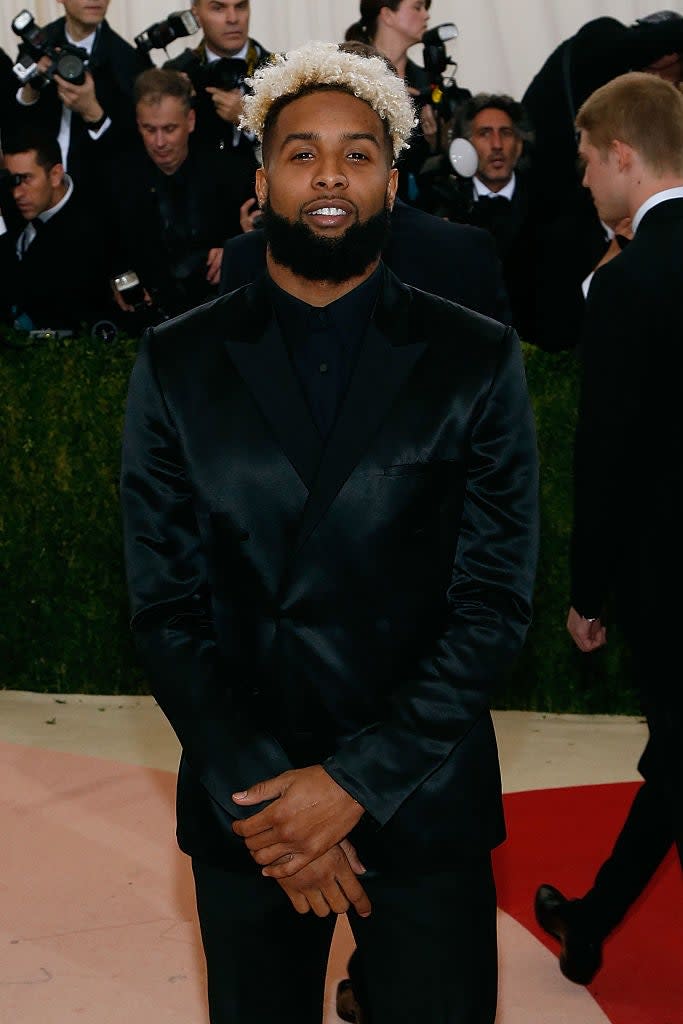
x,y
93,120
628,495
55,263
329,498
500,200
175,202
217,68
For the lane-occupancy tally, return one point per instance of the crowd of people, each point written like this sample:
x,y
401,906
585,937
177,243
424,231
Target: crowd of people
x,y
142,173
350,539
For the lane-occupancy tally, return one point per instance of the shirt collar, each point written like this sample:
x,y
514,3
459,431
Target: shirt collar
x,y
347,315
655,200
240,55
85,44
480,189
47,215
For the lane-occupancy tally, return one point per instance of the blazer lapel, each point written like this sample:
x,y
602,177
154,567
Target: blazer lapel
x,y
259,354
386,360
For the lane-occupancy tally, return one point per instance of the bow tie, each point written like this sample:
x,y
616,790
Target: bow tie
x,y
493,199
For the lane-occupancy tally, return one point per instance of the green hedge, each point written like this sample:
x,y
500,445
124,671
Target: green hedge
x,y
63,609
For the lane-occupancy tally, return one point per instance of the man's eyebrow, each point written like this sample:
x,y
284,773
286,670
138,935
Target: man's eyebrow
x,y
345,136
359,136
300,137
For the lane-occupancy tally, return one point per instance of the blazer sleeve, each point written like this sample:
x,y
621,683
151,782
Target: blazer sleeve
x,y
489,608
606,437
171,602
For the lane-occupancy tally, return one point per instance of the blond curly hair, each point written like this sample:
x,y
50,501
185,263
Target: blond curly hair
x,y
326,65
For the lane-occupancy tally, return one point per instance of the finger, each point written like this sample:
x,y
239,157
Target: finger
x,y
318,903
269,789
298,901
354,892
354,860
252,826
289,864
335,898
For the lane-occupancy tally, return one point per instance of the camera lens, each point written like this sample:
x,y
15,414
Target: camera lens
x,y
71,69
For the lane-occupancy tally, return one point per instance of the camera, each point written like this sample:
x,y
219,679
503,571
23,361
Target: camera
x,y
443,94
159,35
225,73
69,62
141,300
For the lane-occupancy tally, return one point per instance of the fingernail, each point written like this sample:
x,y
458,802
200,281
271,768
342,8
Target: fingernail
x,y
239,796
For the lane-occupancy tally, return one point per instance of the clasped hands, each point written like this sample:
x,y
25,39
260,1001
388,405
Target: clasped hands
x,y
299,839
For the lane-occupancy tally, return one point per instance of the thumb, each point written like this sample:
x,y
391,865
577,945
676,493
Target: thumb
x,y
355,863
270,789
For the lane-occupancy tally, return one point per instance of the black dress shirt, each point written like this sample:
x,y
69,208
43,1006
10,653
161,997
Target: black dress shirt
x,y
323,343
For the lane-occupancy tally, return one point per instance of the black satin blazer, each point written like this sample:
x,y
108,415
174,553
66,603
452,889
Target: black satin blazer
x,y
353,606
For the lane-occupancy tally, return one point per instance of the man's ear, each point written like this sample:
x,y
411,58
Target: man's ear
x,y
624,154
191,120
261,186
392,187
56,175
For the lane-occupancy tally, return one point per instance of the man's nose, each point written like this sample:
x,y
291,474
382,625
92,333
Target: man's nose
x,y
331,176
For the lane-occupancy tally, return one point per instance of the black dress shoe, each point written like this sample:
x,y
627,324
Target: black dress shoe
x,y
580,950
347,1005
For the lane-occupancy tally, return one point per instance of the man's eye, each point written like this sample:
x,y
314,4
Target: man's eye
x,y
355,155
303,155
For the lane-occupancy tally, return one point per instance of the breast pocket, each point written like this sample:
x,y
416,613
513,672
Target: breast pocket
x,y
421,468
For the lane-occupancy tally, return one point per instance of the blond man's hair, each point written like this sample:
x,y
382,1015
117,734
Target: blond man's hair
x,y
641,110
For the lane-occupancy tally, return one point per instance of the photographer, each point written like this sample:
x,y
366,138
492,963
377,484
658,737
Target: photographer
x,y
94,119
497,197
8,86
392,27
176,202
217,69
53,263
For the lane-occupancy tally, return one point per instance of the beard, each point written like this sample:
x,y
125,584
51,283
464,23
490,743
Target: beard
x,y
315,257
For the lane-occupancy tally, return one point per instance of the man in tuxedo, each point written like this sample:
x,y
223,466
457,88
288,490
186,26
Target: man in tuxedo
x,y
217,69
54,264
600,50
329,498
455,261
628,495
95,119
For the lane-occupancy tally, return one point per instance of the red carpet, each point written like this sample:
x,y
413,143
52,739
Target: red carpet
x,y
561,836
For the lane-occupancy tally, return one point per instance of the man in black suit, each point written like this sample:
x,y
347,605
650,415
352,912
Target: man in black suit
x,y
329,496
601,49
628,489
455,261
217,69
54,263
175,202
95,119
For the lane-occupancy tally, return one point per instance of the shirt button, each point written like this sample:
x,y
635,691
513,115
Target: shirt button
x,y
323,367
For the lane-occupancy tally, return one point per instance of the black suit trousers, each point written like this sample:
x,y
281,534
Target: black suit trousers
x,y
427,952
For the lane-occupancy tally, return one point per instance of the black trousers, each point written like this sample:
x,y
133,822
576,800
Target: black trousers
x,y
427,953
653,825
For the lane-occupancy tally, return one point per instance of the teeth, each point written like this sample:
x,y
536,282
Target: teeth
x,y
328,211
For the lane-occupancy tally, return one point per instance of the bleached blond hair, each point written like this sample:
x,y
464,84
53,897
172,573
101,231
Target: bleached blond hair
x,y
325,64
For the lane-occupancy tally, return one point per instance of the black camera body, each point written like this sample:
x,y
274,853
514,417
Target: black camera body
x,y
444,94
69,62
225,73
159,35
143,302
